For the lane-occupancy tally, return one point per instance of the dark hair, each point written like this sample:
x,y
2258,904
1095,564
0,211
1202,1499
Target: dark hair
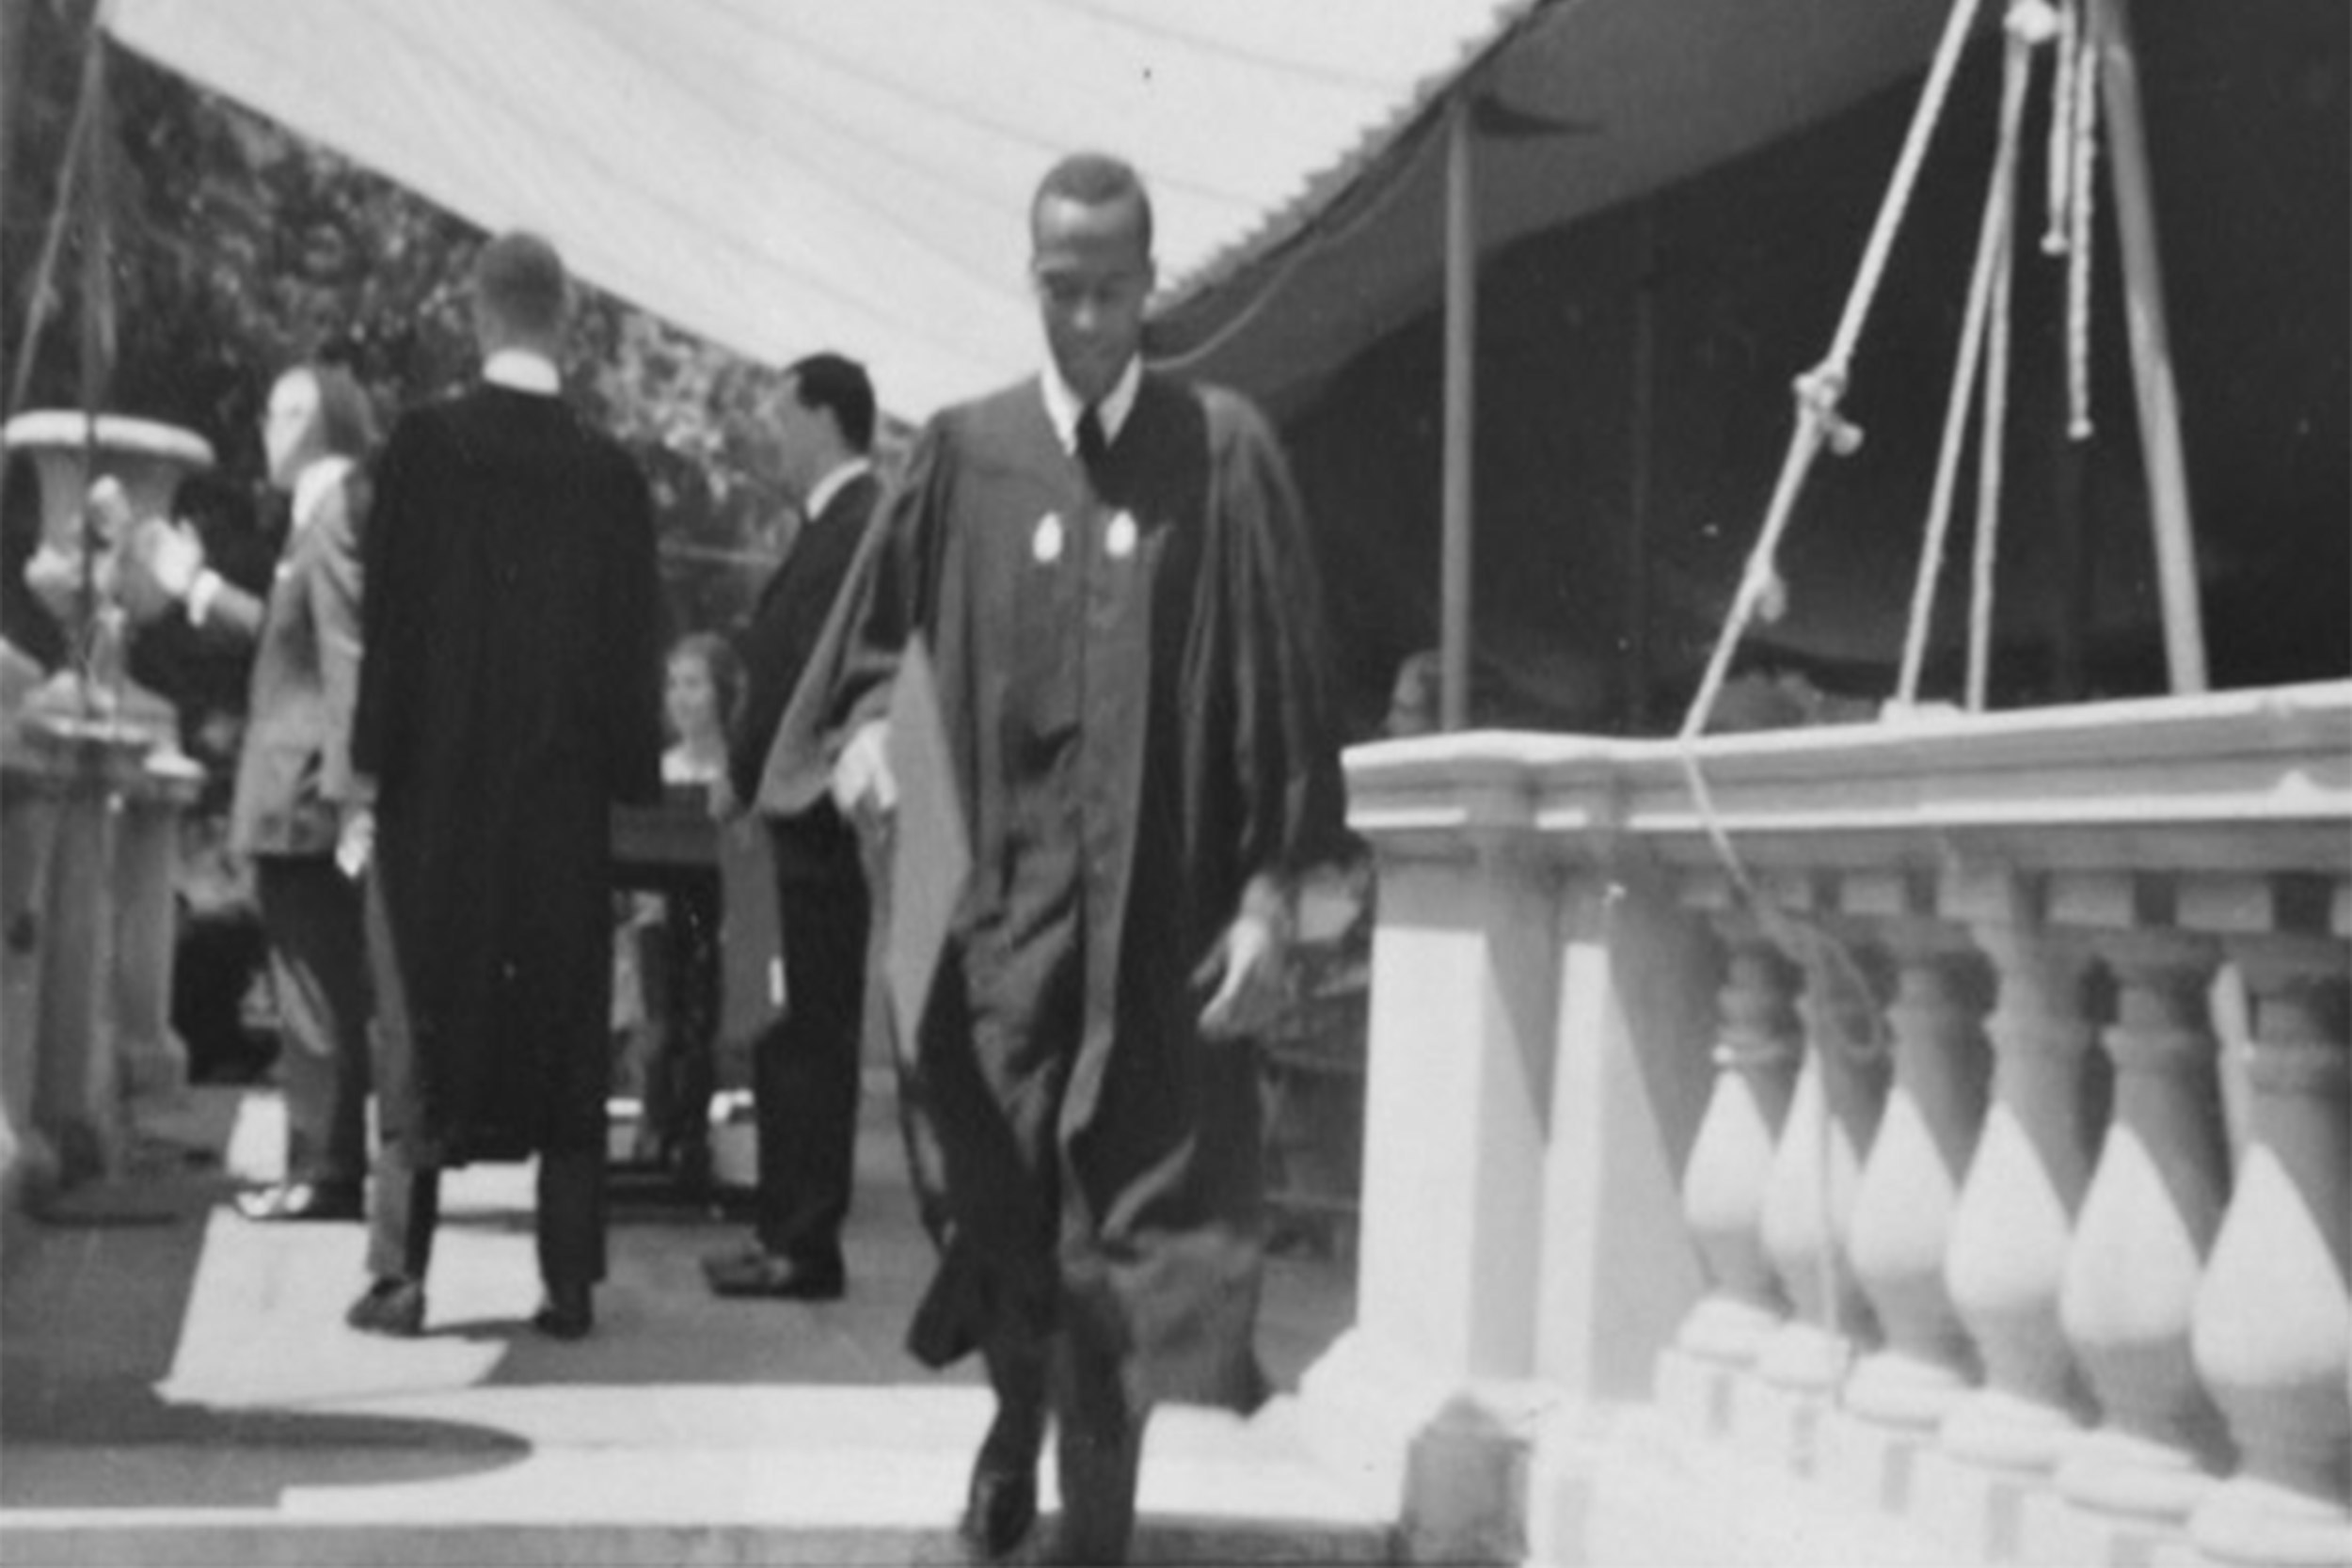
x,y
346,419
519,279
831,382
725,666
1096,180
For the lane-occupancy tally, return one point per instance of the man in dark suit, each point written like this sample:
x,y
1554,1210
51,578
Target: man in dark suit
x,y
805,1066
293,775
509,697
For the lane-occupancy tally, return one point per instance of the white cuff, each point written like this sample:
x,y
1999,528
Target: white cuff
x,y
201,593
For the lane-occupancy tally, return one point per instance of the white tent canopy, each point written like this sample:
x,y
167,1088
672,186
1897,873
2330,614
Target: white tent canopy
x,y
782,176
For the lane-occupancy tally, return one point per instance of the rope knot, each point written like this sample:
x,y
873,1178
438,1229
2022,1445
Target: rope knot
x,y
1819,393
2032,21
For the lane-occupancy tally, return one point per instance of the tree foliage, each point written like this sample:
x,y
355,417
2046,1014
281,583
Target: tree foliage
x,y
238,247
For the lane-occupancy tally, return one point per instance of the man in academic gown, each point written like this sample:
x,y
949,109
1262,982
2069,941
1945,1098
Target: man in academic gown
x,y
1108,571
509,696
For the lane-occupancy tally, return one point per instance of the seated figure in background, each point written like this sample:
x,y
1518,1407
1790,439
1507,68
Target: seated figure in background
x,y
669,949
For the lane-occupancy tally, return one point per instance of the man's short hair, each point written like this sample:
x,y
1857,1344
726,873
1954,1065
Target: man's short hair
x,y
830,381
1096,180
346,419
519,279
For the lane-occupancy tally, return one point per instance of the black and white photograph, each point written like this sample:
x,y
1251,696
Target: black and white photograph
x,y
1553,784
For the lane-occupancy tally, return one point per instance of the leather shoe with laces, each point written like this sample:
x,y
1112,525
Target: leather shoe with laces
x,y
390,1306
302,1200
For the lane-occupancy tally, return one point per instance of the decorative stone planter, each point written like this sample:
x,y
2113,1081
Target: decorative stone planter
x,y
98,769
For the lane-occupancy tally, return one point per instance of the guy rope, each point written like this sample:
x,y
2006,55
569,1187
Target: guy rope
x,y
1979,382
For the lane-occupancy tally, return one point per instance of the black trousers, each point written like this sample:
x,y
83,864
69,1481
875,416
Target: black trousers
x,y
405,1211
311,915
1070,1371
806,1065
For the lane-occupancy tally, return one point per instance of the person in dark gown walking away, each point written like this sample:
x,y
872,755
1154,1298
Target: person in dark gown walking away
x,y
509,697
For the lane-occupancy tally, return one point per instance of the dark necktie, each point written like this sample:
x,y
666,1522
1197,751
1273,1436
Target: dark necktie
x,y
1093,448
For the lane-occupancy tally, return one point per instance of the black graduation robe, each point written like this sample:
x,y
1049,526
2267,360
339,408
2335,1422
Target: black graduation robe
x,y
1133,691
509,695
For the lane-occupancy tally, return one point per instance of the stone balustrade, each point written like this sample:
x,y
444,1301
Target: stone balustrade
x,y
1951,1117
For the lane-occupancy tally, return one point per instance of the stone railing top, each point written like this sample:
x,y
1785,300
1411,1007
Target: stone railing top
x,y
63,428
2228,781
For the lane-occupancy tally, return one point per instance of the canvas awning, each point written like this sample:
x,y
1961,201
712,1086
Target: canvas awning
x,y
1581,104
781,176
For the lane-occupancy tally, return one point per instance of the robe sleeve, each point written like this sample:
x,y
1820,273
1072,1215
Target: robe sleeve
x,y
1285,754
388,548
633,647
797,768
894,581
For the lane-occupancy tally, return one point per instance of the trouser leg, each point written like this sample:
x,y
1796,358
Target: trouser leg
x,y
570,1217
1098,1447
311,915
1017,1373
404,1210
1000,1502
806,1068
694,967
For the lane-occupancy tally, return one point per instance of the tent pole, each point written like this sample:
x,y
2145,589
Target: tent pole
x,y
2153,386
1641,478
1461,367
63,213
93,197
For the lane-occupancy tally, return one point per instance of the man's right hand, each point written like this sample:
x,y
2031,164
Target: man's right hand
x,y
172,554
863,784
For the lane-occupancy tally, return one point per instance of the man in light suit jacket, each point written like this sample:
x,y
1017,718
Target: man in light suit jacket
x,y
805,1066
294,778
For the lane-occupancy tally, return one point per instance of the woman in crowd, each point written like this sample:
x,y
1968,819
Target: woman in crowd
x,y
673,942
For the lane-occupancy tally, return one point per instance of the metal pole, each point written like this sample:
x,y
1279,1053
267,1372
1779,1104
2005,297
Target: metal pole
x,y
97,328
2153,384
1461,369
1640,479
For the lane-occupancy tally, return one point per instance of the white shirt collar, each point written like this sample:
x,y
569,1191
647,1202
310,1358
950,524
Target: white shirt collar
x,y
1063,406
522,369
312,484
820,495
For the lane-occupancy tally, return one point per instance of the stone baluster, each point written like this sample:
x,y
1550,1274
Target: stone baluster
x,y
78,1093
2273,1327
1909,1189
2015,1224
1756,1055
2149,1218
1809,1191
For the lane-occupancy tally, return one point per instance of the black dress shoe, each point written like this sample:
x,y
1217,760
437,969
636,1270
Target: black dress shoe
x,y
1001,1505
569,1313
302,1200
392,1306
764,1274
